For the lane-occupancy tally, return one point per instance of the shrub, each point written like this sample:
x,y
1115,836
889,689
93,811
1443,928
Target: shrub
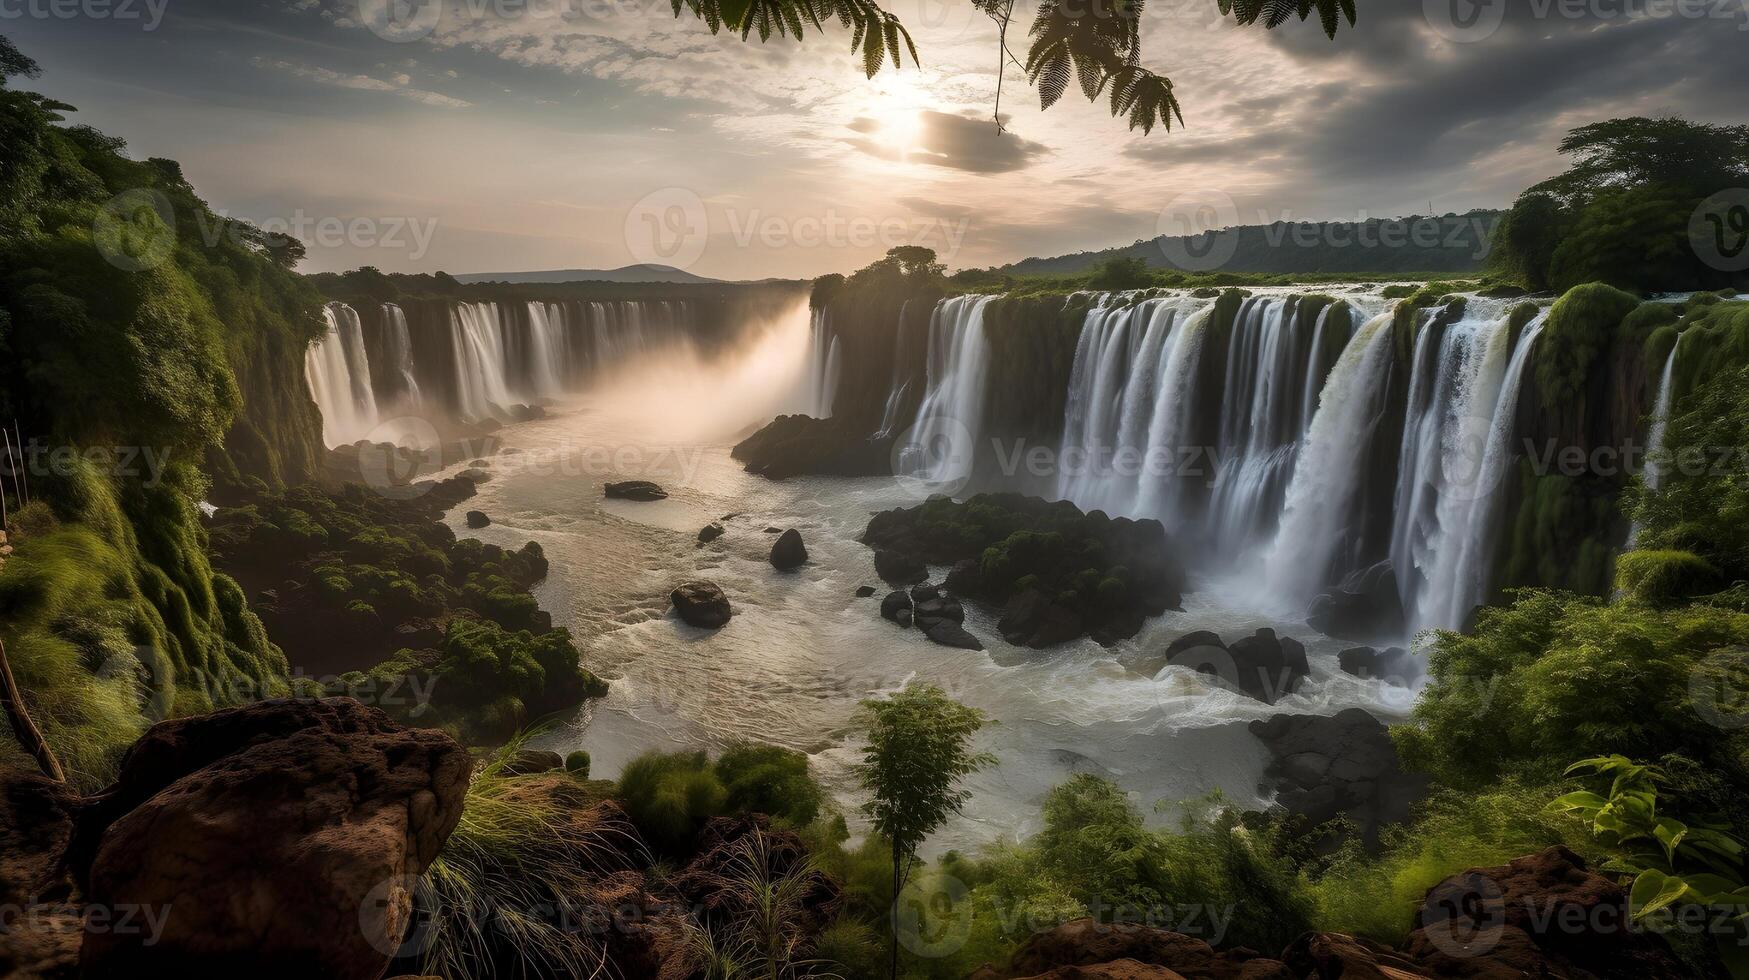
x,y
1665,576
669,796
771,780
577,764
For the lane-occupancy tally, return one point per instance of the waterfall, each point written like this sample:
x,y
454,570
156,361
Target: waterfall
x,y
481,371
1259,438
1654,473
548,349
1161,488
398,346
1320,510
825,355
951,417
338,374
1455,398
901,381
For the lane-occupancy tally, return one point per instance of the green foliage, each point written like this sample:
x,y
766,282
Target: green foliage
x,y
1551,677
1665,576
577,764
669,796
1701,510
769,779
1523,247
1638,151
1120,272
1580,327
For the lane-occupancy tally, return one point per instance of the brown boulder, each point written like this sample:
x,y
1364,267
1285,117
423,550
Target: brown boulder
x,y
1320,955
1119,970
1086,943
279,839
1541,915
40,930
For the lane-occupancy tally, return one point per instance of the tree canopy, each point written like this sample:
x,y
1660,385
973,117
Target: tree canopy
x,y
1096,43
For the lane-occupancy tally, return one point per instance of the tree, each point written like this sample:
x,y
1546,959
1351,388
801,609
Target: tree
x,y
14,63
1638,152
1121,272
1095,42
918,751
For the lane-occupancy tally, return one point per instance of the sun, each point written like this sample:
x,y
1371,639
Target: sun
x,y
897,106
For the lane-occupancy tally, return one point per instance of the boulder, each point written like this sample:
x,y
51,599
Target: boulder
x,y
701,604
477,519
966,577
1544,915
792,445
949,633
1345,764
1262,665
897,607
929,605
1085,943
474,474
284,835
899,567
1318,954
789,552
1364,606
40,929
864,591
709,533
1392,664
1033,619
639,490
533,762
1118,970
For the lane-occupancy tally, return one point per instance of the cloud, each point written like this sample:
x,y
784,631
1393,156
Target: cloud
x,y
399,84
958,142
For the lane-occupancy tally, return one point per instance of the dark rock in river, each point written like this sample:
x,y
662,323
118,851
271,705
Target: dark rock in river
x,y
1365,606
1341,765
897,607
285,835
1262,666
1394,665
949,633
702,604
709,533
640,490
1034,619
789,551
477,519
898,567
966,577
864,591
793,445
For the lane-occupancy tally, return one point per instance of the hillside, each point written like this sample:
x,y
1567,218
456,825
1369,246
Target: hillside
x,y
630,273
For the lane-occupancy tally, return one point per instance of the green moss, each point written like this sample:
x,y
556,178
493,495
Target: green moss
x,y
1580,327
1665,576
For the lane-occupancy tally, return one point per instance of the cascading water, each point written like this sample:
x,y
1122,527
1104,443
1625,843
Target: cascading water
x,y
549,348
824,355
1259,433
901,382
945,437
1320,509
338,374
481,369
398,346
1654,474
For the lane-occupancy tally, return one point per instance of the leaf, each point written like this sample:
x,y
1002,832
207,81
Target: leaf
x,y
1581,801
1670,833
1654,890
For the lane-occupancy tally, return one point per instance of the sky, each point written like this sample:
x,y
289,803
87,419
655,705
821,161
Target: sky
x,y
477,136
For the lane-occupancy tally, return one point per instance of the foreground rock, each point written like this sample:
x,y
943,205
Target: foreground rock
x,y
639,490
41,929
1394,665
789,552
709,533
284,836
702,604
1364,607
477,519
1344,765
796,444
1088,945
1056,573
1263,665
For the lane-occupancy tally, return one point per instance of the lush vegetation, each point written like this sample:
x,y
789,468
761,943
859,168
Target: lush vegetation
x,y
1627,212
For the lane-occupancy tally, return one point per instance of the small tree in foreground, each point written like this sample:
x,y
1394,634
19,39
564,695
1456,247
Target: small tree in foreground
x,y
919,748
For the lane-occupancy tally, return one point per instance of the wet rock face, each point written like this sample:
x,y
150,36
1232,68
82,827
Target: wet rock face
x,y
702,604
640,490
1365,606
789,552
280,839
1324,767
1262,666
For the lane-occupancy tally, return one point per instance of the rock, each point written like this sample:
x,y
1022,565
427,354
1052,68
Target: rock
x,y
1262,666
639,490
1318,954
708,884
1118,970
1085,943
702,604
929,605
709,533
1365,606
1324,767
789,552
1545,915
949,633
899,568
966,577
1033,619
478,519
774,530
475,475
533,762
792,445
864,591
1393,664
286,835
897,605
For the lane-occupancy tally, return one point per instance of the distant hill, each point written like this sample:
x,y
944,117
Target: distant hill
x,y
631,273
1447,243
